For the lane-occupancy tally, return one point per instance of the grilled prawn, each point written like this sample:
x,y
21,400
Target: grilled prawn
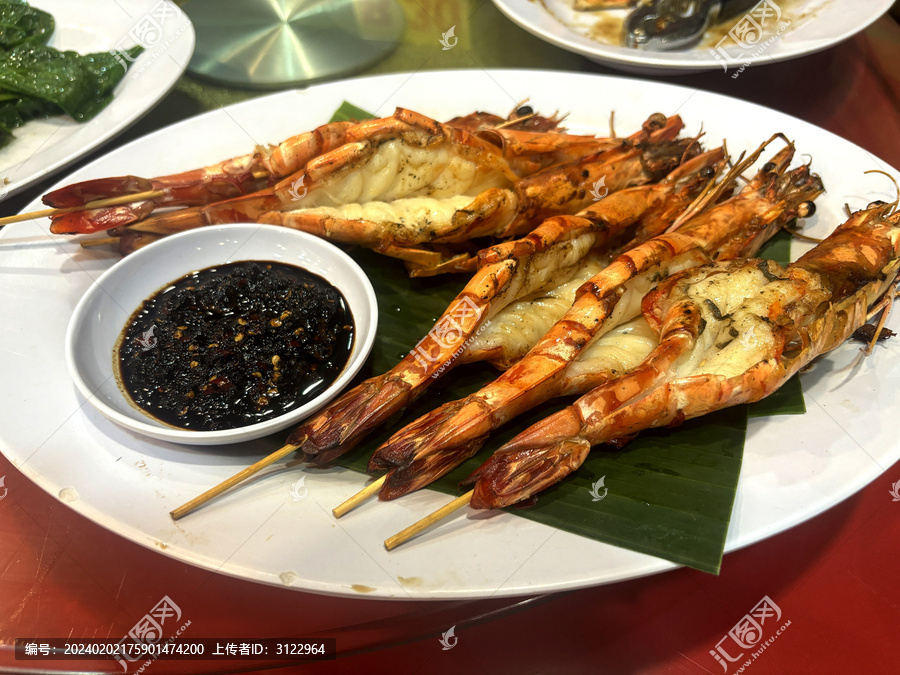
x,y
526,147
546,261
729,333
443,439
415,189
403,228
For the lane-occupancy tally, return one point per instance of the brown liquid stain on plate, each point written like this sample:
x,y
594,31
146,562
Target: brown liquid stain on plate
x,y
608,30
359,588
716,32
192,539
411,582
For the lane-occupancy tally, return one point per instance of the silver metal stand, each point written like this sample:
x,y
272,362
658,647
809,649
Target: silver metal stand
x,y
280,43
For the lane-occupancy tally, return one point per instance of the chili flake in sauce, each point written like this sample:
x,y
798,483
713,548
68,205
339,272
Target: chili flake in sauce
x,y
235,344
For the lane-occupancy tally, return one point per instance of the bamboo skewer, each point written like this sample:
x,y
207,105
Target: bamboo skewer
x,y
213,492
359,497
426,522
98,204
99,241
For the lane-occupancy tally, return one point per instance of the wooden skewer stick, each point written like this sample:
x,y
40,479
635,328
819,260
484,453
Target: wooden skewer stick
x,y
98,204
99,241
427,521
213,492
359,497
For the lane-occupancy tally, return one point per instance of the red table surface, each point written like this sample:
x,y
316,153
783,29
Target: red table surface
x,y
833,578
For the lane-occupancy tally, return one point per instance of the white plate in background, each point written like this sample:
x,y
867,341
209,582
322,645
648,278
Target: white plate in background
x,y
813,25
41,147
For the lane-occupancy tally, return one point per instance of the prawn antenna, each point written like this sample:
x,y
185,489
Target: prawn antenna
x,y
894,181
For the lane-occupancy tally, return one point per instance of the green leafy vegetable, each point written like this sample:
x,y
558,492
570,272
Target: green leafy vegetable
x,y
20,24
37,81
80,85
668,493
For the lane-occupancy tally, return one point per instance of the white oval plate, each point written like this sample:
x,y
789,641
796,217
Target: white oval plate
x,y
279,530
42,147
103,312
805,27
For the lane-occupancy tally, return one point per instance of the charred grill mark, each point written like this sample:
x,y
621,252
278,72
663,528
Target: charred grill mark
x,y
629,263
717,314
655,122
763,267
599,223
866,333
591,287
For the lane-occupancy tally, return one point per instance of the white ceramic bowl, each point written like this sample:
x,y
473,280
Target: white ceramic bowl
x,y
101,314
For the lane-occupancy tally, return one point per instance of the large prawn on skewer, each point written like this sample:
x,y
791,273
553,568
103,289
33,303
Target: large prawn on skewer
x,y
413,189
528,144
730,333
548,257
335,146
404,227
441,440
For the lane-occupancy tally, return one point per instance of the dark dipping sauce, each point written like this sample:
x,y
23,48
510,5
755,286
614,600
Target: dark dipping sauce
x,y
234,345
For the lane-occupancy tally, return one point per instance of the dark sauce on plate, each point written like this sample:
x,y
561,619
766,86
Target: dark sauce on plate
x,y
234,345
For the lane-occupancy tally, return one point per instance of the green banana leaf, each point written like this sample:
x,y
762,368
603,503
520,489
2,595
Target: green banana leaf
x,y
350,113
668,493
